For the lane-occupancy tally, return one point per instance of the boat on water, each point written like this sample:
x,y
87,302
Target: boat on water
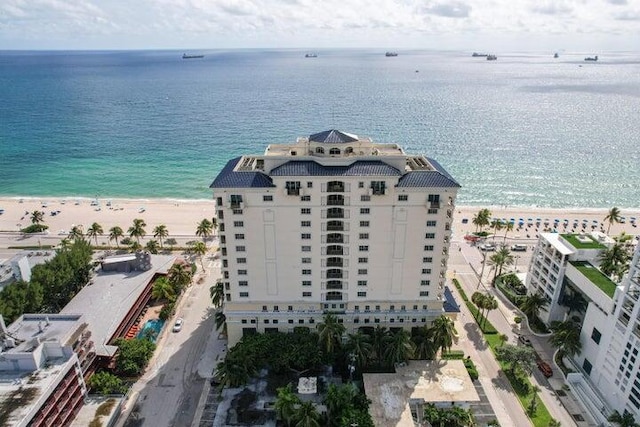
x,y
391,54
185,56
589,58
476,54
555,55
491,57
311,55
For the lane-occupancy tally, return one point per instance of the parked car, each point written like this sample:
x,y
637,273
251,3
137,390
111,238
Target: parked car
x,y
487,247
545,368
177,327
519,248
524,340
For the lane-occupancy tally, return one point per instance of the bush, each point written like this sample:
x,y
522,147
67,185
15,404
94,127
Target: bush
x,y
453,355
106,383
166,311
471,368
34,228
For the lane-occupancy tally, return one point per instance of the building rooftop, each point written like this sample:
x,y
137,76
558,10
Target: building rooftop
x,y
559,244
583,241
428,381
333,137
596,277
311,168
106,302
30,330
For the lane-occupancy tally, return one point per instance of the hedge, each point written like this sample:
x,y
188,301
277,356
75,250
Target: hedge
x,y
480,319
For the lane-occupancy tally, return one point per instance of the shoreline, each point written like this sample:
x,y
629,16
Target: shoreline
x,y
181,216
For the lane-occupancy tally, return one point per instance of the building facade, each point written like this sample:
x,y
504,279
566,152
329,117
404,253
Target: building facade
x,y
333,223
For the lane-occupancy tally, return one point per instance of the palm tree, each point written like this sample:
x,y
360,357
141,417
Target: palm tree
x,y
286,404
533,403
532,304
217,294
232,372
360,347
613,217
200,249
614,261
306,415
162,290
76,233
330,333
443,332
574,301
137,229
503,339
152,246
37,217
507,228
204,229
134,246
424,345
171,242
496,224
161,233
221,321
94,231
399,349
379,339
481,219
566,337
625,420
489,304
179,276
502,258
116,233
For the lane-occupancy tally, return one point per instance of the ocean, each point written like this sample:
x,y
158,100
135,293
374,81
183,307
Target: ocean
x,y
525,130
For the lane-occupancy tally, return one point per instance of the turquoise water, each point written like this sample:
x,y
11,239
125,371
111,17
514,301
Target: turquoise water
x,y
524,130
152,326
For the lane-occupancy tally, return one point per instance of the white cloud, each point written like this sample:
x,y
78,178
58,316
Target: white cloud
x,y
307,23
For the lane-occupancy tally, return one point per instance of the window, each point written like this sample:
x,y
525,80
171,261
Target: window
x,y
367,308
434,200
356,308
305,223
363,248
305,211
293,188
236,200
363,260
365,211
596,335
306,260
289,308
430,236
219,201
415,308
431,223
267,198
426,271
425,282
237,211
239,236
362,283
306,272
306,249
365,198
305,198
362,294
432,211
242,272
238,223
428,247
309,184
364,223
424,293
377,187
364,236
244,294
335,187
587,366
306,283
305,236
241,260
306,294
427,259
362,271
243,283
276,308
403,197
220,215
240,248
334,151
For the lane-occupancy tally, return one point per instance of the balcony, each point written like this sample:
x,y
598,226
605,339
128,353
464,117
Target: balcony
x,y
335,274
335,226
335,262
335,250
335,213
334,284
333,296
335,187
335,238
335,200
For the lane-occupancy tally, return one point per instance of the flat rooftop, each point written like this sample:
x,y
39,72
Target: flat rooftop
x,y
559,244
583,241
596,277
436,381
29,330
106,302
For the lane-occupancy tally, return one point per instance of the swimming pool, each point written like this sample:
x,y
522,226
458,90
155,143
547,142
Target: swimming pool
x,y
151,329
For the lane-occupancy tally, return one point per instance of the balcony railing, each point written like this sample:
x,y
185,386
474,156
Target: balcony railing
x,y
335,251
335,263
333,296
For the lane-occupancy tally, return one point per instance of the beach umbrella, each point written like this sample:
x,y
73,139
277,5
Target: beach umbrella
x,y
556,220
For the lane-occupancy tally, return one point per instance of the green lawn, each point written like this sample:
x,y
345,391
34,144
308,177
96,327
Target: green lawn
x,y
596,277
591,244
520,384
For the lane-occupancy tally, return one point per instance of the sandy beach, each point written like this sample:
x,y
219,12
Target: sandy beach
x,y
182,216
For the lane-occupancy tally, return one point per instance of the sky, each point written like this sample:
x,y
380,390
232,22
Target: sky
x,y
523,25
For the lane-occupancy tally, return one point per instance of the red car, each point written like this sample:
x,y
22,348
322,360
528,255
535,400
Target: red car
x,y
545,368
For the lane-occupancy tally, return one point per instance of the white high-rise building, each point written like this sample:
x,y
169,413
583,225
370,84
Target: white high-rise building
x,y
333,223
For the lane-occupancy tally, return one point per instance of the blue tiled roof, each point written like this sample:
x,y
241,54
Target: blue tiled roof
x,y
311,168
450,304
332,137
228,178
440,169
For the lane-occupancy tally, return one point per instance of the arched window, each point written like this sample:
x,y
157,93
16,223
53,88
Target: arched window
x,y
334,284
335,187
334,296
348,150
319,150
335,200
334,151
